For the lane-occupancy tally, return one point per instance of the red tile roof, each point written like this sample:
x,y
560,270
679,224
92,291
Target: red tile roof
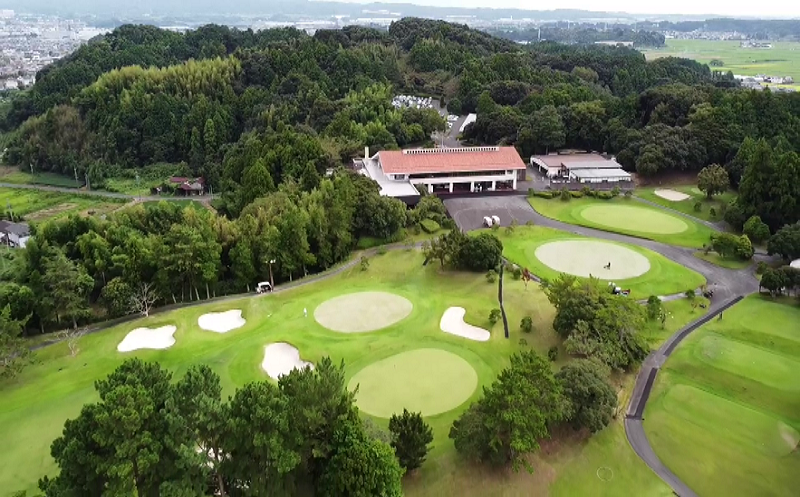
x,y
449,160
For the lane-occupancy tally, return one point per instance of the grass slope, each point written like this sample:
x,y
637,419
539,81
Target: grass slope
x,y
41,178
728,262
725,410
631,218
35,205
664,277
686,206
34,406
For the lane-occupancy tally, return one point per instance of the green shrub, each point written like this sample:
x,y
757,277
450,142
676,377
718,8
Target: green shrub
x,y
761,267
698,206
586,190
529,222
712,212
381,250
544,194
448,223
516,272
491,276
628,194
564,195
364,263
494,316
576,194
523,342
429,226
526,324
531,192
552,353
615,191
605,195
592,193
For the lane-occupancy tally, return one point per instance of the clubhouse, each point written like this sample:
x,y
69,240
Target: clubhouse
x,y
443,170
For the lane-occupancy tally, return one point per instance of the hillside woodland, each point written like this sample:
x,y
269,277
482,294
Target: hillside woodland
x,y
269,118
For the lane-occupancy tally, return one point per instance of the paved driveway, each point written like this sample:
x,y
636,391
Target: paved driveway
x,y
468,212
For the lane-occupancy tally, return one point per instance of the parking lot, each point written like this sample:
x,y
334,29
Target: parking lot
x,y
468,212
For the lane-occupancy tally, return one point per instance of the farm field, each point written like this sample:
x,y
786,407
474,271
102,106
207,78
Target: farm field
x,y
35,405
37,205
724,414
687,206
626,216
17,177
783,59
663,277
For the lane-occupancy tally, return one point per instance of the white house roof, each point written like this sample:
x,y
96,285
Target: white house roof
x,y
600,174
389,187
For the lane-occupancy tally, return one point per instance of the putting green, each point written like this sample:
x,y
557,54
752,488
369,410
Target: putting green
x,y
589,258
362,311
633,218
430,381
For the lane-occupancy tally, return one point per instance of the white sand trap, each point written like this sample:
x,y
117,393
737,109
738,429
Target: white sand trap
x,y
221,322
453,322
281,358
795,264
671,195
148,338
362,311
589,257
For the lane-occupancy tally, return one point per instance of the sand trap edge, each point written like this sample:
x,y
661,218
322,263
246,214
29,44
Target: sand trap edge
x,y
671,195
142,338
452,322
221,322
281,358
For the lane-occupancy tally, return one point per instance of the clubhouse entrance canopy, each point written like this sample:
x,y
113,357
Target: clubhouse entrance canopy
x,y
443,170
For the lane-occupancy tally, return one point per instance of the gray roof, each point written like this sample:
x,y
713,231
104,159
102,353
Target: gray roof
x,y
600,173
593,164
19,229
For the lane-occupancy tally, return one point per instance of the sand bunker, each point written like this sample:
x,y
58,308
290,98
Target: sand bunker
x,y
362,311
453,322
221,322
671,195
148,338
795,264
281,358
590,257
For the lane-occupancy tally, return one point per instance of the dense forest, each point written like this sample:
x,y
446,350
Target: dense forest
x,y
269,118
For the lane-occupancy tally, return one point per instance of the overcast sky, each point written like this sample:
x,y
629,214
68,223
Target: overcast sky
x,y
727,8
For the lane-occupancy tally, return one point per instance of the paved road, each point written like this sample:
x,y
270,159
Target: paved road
x,y
100,193
729,287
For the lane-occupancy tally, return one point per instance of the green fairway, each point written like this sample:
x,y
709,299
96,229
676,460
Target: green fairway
x,y
783,59
36,205
626,216
430,381
724,414
633,217
687,206
663,278
34,406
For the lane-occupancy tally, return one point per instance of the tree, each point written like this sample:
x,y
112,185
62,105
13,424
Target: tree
x,y
14,351
712,180
480,253
256,183
116,297
513,415
68,287
756,229
653,306
71,336
411,437
142,299
591,399
494,316
526,324
773,280
125,443
360,466
786,242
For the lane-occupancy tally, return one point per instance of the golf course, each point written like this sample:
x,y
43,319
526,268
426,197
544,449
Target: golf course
x,y
626,216
728,398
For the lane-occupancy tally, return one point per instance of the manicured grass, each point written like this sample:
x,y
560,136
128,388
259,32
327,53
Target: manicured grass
x,y
36,205
49,179
715,258
664,277
626,216
687,206
724,414
35,405
783,59
430,381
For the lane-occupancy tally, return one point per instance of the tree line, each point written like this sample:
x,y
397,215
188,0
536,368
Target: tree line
x,y
148,435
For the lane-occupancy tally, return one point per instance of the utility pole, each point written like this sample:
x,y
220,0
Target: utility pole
x,y
271,280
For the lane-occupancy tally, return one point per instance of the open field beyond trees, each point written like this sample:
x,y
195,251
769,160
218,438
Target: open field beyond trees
x,y
783,59
626,216
36,403
724,414
663,278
